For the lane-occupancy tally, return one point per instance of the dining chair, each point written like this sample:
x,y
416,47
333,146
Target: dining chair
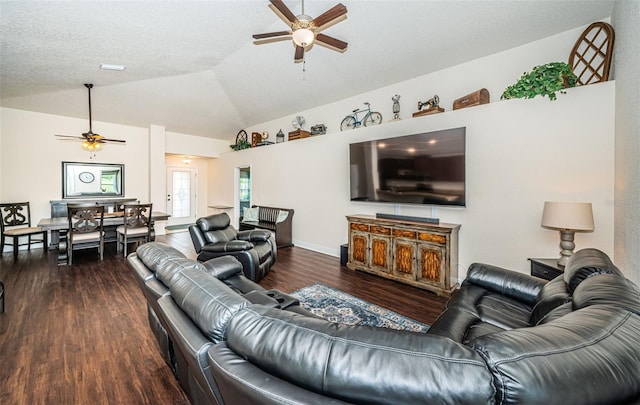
x,y
137,226
16,223
85,229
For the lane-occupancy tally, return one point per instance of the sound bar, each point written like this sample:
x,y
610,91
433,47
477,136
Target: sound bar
x,y
408,218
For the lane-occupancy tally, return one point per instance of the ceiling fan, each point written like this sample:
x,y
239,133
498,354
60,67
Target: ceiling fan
x,y
91,141
305,31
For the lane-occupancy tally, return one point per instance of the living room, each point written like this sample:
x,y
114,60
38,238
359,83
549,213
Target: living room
x,y
520,153
507,184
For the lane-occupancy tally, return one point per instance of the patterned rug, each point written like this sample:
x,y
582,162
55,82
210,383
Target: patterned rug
x,y
340,307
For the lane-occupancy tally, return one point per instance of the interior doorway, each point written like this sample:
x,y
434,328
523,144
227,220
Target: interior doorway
x,y
243,190
181,195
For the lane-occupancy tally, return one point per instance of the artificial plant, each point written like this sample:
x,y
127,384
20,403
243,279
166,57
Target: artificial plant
x,y
543,80
240,145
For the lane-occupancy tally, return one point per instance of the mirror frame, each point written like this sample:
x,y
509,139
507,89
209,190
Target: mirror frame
x,y
70,169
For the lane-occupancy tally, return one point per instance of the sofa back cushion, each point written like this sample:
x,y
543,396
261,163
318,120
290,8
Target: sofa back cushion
x,y
217,228
608,289
359,364
589,356
207,301
172,266
586,263
154,254
551,296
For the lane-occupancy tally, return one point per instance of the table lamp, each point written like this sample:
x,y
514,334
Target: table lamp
x,y
568,218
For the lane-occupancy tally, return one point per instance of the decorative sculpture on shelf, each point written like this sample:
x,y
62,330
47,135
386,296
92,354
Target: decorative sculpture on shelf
x,y
396,107
318,129
433,102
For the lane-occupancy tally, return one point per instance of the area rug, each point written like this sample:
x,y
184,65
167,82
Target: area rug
x,y
340,307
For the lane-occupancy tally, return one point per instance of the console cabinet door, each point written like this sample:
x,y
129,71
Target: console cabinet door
x,y
381,253
359,248
380,248
404,259
431,264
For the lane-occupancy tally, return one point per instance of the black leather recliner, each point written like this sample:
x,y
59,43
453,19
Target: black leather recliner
x,y
214,236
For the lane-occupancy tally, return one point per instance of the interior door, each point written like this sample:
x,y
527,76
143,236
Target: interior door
x,y
181,195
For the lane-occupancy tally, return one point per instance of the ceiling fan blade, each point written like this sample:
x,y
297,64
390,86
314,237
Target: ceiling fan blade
x,y
331,42
330,16
271,34
69,137
299,55
283,11
107,140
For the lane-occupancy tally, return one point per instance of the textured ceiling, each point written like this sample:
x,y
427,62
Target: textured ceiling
x,y
193,68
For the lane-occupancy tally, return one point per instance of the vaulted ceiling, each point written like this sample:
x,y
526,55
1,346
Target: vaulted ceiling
x,y
192,66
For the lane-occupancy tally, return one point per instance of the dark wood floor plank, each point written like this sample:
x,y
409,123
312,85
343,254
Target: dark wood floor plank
x,y
80,335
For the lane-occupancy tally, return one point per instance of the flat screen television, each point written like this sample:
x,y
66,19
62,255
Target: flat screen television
x,y
423,168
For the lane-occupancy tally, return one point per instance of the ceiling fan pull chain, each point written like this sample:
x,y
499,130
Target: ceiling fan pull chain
x,y
304,70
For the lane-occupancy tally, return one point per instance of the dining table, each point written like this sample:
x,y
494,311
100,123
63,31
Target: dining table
x,y
59,226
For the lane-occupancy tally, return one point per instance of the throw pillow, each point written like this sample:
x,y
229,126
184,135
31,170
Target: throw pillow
x,y
282,216
251,214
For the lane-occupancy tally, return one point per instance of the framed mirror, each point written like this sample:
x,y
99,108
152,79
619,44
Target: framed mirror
x,y
82,180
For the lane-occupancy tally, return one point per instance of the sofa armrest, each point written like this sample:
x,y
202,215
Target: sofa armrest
x,y
223,267
519,286
231,246
254,235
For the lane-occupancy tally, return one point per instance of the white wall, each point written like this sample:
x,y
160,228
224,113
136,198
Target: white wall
x,y
519,154
627,183
31,162
31,156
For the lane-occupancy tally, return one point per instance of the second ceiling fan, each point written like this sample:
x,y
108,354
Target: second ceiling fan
x,y
306,30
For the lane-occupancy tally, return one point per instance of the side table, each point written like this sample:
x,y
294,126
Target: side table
x,y
546,268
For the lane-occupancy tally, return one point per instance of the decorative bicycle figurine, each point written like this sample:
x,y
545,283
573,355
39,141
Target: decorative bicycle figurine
x,y
370,118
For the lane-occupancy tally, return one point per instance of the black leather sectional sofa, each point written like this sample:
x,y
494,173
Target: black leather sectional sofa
x,y
504,337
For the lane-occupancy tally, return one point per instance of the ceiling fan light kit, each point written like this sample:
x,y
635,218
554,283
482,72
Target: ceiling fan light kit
x,y
305,30
303,37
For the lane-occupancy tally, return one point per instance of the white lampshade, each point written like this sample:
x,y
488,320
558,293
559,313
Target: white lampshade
x,y
303,37
576,216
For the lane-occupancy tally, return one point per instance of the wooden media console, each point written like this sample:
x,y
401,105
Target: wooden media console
x,y
423,255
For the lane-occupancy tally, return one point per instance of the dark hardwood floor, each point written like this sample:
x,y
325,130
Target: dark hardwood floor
x,y
79,335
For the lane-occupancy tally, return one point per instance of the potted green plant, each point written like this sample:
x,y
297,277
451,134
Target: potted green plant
x,y
240,145
543,80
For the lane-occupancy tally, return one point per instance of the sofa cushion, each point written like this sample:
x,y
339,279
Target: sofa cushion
x,y
508,283
490,307
586,263
556,313
461,326
589,356
607,289
172,266
552,295
357,363
153,254
207,301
